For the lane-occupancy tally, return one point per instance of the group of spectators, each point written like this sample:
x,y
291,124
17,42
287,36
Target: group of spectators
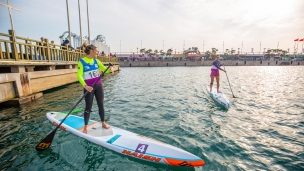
x,y
43,43
66,43
103,54
52,44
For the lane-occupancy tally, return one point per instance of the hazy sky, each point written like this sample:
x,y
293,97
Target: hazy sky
x,y
173,22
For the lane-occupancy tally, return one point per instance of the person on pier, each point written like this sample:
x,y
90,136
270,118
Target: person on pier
x,y
88,72
83,47
41,51
215,73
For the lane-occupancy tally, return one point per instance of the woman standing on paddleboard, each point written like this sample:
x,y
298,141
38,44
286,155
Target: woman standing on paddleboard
x,y
216,66
88,73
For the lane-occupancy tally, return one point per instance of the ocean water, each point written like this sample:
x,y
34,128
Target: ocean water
x,y
263,129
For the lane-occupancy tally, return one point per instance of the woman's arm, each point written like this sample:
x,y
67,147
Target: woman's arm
x,y
102,67
80,74
215,64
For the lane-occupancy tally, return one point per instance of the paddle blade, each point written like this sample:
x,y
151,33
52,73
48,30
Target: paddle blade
x,y
46,142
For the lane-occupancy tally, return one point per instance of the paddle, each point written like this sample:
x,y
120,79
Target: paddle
x,y
47,141
229,83
74,111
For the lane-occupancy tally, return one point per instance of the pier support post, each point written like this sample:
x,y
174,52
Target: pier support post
x,y
67,52
48,51
17,69
52,67
29,68
68,67
25,84
13,45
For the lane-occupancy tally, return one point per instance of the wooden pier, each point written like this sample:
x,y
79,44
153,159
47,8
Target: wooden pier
x,y
28,68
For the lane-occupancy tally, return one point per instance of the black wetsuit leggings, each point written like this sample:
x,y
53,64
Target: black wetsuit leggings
x,y
98,92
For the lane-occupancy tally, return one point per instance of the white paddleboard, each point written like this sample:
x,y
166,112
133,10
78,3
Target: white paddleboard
x,y
220,98
125,142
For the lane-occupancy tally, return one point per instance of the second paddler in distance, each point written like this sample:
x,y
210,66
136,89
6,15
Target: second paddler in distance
x,y
215,73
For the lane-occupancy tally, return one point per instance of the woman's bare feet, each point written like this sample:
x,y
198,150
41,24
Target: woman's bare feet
x,y
85,129
105,125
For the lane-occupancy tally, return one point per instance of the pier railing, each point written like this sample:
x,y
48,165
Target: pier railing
x,y
17,48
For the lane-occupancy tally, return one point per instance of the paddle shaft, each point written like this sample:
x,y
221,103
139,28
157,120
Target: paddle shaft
x,y
74,111
47,141
229,82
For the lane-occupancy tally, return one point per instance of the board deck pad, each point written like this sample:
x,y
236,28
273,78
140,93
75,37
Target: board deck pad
x,y
74,122
95,129
98,130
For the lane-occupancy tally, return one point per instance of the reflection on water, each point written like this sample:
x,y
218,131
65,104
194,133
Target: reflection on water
x,y
263,129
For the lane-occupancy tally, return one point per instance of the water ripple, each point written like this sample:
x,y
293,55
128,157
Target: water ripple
x,y
263,129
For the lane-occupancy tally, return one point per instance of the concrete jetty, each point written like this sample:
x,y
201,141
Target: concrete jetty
x,y
27,68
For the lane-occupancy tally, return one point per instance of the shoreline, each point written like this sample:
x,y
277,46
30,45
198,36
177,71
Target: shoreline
x,y
166,63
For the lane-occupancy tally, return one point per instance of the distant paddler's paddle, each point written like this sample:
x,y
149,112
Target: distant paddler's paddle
x,y
47,141
229,82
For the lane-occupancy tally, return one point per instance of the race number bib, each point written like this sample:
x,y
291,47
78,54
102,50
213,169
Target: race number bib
x,y
91,74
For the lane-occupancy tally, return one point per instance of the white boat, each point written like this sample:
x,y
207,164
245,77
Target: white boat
x,y
219,98
126,142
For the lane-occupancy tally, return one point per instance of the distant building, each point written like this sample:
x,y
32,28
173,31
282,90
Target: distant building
x,y
99,41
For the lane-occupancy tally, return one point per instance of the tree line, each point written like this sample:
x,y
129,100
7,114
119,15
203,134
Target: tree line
x,y
150,52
